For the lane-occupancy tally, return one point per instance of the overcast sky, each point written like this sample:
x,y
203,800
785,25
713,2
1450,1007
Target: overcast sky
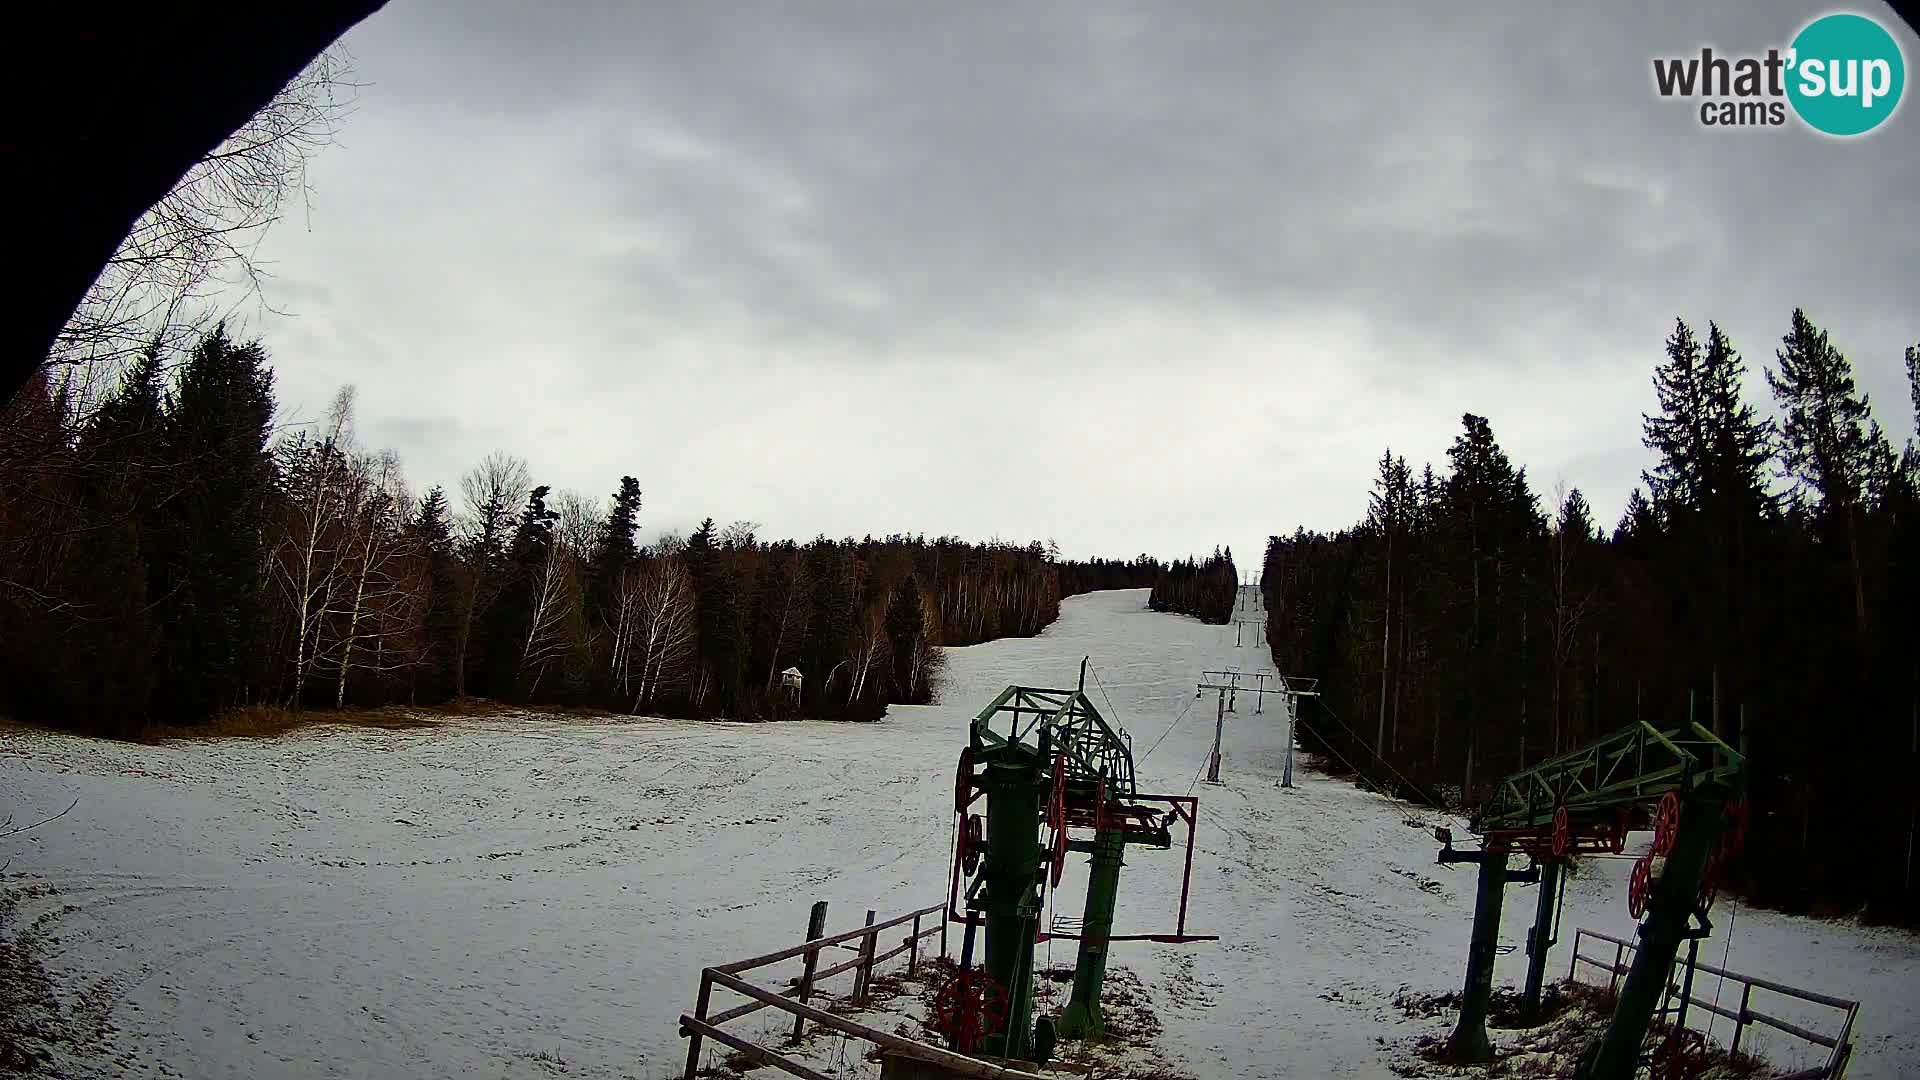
x,y
1136,277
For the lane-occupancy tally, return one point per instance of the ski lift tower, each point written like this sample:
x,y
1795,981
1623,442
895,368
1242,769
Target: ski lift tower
x,y
1691,785
1231,684
1043,756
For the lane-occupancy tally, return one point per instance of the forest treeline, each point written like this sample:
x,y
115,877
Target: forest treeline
x,y
1202,588
1763,581
164,555
1096,574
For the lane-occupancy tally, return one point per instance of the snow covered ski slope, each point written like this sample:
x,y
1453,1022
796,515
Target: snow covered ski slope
x,y
519,896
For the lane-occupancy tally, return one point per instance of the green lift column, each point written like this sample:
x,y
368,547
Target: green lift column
x,y
1016,776
1668,912
1469,1043
1083,1016
1540,940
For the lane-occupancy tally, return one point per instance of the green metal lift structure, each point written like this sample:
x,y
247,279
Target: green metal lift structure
x,y
1044,758
1690,786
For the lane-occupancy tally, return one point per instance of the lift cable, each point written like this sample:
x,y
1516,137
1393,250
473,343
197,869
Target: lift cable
x,y
1169,731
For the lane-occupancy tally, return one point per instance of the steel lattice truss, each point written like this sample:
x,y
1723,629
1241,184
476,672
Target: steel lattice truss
x,y
1092,748
1633,765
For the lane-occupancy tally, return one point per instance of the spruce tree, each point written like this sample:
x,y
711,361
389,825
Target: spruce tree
x,y
111,663
431,534
906,625
1824,442
212,546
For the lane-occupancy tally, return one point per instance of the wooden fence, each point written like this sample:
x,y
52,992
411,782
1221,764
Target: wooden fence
x,y
1839,1046
701,1024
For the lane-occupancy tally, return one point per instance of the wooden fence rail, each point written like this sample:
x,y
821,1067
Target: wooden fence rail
x,y
1839,1046
701,1025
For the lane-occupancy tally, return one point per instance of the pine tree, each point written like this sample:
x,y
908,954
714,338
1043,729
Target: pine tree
x,y
212,550
906,627
432,537
1709,490
1824,442
513,616
109,664
615,548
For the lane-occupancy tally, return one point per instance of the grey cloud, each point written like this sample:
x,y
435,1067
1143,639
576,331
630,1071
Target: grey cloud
x,y
1490,195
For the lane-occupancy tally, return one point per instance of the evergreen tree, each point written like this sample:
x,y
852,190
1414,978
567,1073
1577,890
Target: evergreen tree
x,y
512,616
431,535
1710,491
1824,441
211,549
615,548
906,626
110,669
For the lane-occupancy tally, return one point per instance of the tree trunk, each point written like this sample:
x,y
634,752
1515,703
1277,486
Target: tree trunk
x,y
1386,636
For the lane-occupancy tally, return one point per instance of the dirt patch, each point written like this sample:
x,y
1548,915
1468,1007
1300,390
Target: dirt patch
x,y
38,1029
1573,1017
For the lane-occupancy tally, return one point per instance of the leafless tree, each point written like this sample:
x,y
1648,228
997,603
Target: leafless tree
x,y
660,593
198,245
550,622
791,588
580,523
494,491
870,649
377,552
314,480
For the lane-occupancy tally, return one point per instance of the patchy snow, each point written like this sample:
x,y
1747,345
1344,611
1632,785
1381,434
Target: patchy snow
x,y
527,896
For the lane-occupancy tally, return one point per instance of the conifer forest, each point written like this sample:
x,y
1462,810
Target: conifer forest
x,y
1763,581
166,554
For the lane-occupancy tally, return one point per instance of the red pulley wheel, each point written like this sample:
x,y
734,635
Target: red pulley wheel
x,y
1640,886
963,781
1059,854
970,1006
972,843
1562,831
1666,824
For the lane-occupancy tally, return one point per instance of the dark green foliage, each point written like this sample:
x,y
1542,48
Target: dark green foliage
x,y
1204,589
158,563
1517,637
1140,572
208,544
431,533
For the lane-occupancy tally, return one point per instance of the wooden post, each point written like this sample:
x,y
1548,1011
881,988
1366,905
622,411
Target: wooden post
x,y
1740,1021
816,927
1619,953
863,974
913,946
699,1013
943,933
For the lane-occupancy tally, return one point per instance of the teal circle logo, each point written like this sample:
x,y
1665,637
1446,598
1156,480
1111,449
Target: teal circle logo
x,y
1845,74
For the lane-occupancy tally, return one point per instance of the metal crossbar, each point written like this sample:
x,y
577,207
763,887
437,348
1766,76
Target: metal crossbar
x,y
1093,747
1636,763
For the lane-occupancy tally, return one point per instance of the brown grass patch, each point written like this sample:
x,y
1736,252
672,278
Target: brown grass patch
x,y
273,721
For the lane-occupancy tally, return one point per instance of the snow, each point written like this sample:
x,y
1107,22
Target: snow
x,y
530,896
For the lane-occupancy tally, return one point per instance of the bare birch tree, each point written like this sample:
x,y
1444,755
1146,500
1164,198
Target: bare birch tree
x,y
378,552
306,558
665,624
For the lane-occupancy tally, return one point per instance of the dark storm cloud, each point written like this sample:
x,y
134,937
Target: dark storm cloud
x,y
1456,206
